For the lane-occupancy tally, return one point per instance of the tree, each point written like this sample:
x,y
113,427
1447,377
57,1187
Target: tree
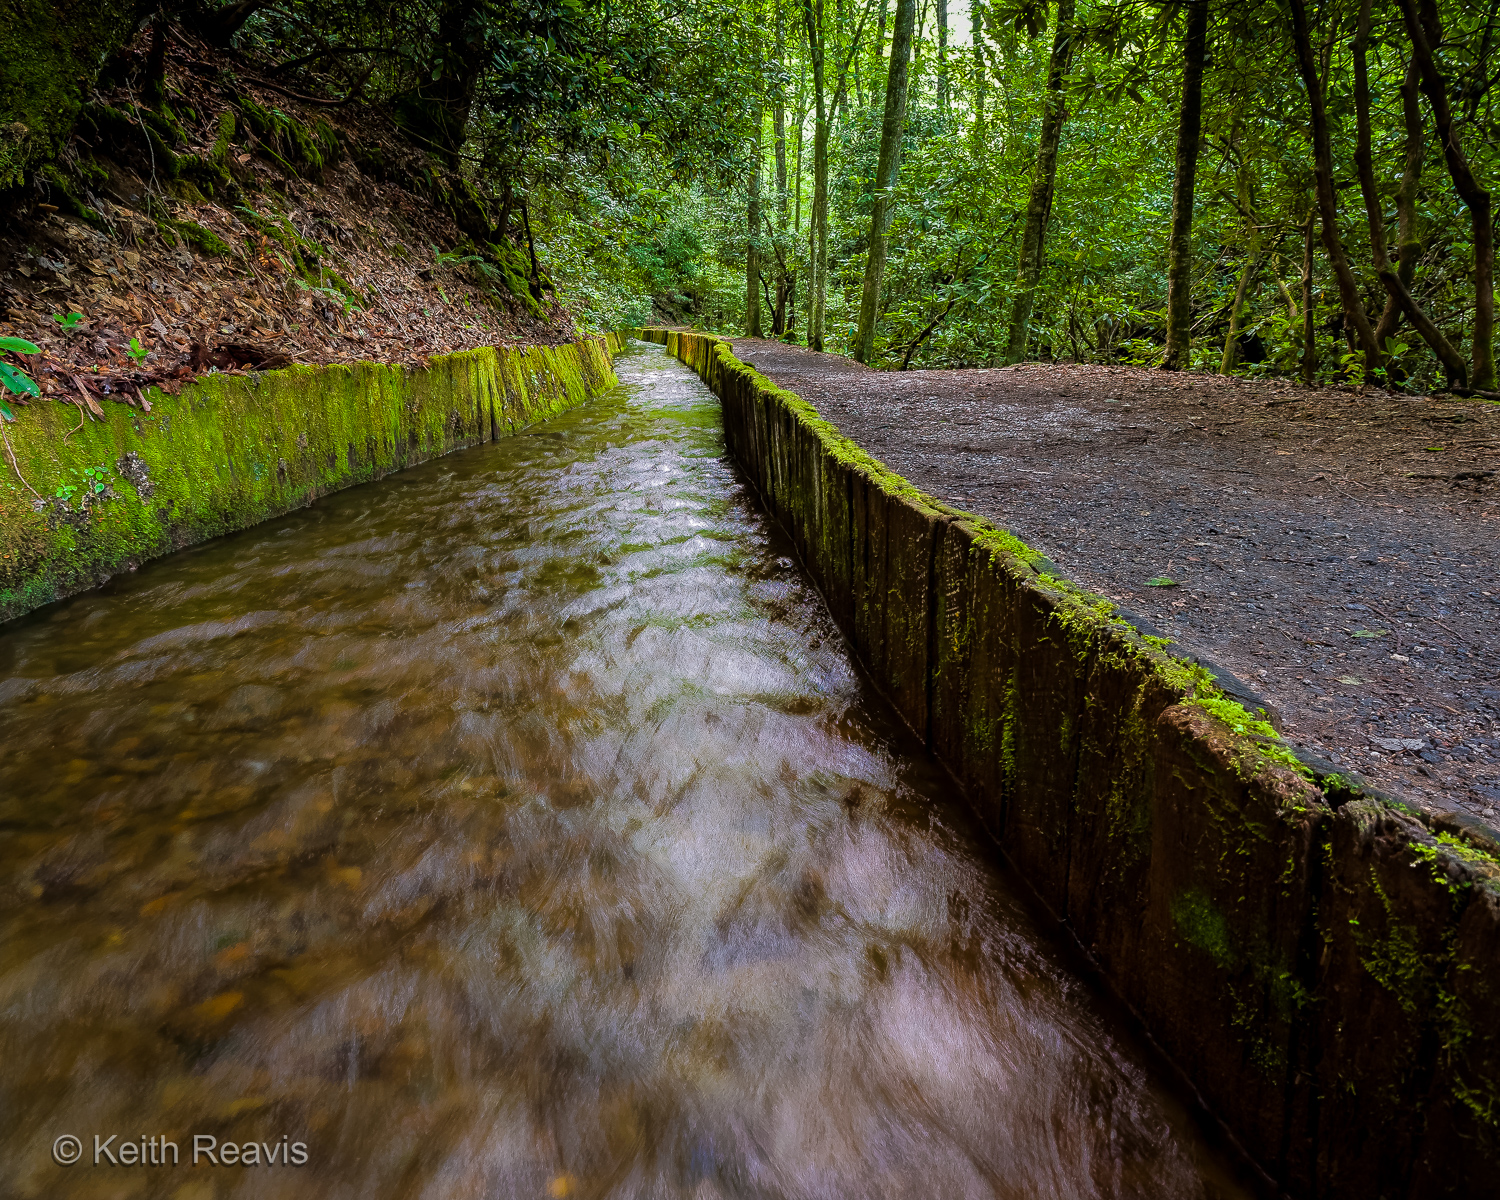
x,y
812,12
1425,31
1039,203
1452,361
1189,134
752,241
892,129
1328,211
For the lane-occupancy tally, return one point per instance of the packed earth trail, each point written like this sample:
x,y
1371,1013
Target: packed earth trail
x,y
1333,549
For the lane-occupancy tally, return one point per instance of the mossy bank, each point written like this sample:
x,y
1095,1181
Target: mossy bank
x,y
81,503
1322,963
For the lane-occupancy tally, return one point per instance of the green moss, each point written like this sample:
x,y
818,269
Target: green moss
x,y
65,196
1445,846
230,451
202,239
296,148
1204,927
48,64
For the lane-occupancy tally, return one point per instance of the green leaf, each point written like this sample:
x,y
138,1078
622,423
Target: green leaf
x,y
1367,633
18,381
6,412
19,345
1161,581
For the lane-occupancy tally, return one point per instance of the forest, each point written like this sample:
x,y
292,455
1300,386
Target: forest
x,y
1282,187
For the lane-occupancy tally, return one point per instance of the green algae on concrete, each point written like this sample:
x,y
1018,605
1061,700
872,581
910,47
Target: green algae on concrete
x,y
1323,967
232,450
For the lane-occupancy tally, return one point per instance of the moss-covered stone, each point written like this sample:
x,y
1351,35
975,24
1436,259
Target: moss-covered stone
x,y
51,52
233,450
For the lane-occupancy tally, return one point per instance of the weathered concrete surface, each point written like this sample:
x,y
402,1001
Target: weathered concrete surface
x,y
234,450
1322,963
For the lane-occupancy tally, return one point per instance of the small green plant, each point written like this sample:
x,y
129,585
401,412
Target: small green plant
x,y
13,379
67,322
137,351
1161,581
348,303
443,259
91,481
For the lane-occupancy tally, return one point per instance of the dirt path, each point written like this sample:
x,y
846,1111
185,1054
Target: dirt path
x,y
1295,523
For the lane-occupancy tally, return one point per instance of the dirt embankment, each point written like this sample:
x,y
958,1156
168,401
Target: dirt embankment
x,y
1336,550
234,226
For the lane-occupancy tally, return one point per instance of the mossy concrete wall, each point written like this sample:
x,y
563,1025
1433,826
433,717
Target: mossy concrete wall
x,y
1322,964
233,450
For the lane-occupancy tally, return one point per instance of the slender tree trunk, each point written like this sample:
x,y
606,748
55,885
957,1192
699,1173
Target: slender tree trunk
x,y
812,11
1236,311
1453,363
797,222
1408,243
976,32
1309,330
1039,204
752,244
1180,245
942,32
891,132
1475,198
1328,211
778,125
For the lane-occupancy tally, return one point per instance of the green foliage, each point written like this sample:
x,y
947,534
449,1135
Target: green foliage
x,y
12,378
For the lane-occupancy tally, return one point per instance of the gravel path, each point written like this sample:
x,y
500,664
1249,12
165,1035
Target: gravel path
x,y
1333,549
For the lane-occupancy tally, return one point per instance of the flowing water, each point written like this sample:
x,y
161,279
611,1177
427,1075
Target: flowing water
x,y
518,826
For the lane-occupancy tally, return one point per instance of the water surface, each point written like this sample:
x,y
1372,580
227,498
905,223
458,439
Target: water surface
x,y
518,826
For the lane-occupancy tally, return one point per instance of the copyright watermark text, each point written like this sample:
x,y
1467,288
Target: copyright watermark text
x,y
203,1149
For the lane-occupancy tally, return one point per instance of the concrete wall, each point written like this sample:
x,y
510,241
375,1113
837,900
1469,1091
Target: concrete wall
x,y
232,450
1323,963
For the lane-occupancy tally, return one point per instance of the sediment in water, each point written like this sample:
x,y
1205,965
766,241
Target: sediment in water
x,y
1322,962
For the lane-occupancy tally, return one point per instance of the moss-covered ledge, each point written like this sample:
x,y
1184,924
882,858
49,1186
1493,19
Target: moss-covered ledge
x,y
79,504
1321,962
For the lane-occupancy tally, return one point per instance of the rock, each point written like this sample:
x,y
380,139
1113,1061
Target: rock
x,y
1396,745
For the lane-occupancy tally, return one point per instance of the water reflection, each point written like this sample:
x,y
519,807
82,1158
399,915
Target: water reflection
x,y
518,827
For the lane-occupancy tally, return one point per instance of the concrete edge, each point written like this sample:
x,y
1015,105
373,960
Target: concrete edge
x,y
82,499
1321,960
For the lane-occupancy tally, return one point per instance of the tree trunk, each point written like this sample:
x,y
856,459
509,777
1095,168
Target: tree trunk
x,y
1328,211
1039,204
892,129
435,113
812,11
778,124
1408,244
752,244
1309,330
942,32
1180,245
1236,310
1453,363
976,33
797,175
1475,198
